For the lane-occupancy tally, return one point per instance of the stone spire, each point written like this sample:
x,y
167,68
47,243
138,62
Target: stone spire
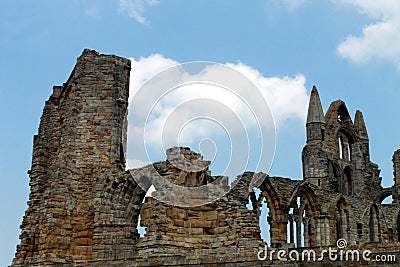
x,y
315,113
360,125
315,118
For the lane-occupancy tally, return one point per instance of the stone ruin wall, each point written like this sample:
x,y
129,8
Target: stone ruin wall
x,y
79,139
84,207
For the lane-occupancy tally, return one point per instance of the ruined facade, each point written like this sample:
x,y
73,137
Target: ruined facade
x,y
84,207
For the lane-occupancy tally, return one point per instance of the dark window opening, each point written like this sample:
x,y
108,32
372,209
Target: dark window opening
x,y
348,181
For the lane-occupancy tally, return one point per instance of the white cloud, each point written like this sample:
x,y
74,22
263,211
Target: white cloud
x,y
379,40
286,96
135,8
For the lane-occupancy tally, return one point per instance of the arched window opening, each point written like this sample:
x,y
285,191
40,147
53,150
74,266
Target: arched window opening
x,y
265,220
387,200
344,143
334,171
342,220
343,114
299,226
373,224
295,229
260,209
348,183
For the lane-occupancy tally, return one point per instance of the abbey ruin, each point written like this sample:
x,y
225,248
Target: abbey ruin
x,y
84,206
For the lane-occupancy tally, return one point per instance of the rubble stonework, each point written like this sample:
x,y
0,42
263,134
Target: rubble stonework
x,y
84,207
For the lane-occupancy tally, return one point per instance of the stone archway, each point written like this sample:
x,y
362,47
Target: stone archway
x,y
117,212
277,217
306,211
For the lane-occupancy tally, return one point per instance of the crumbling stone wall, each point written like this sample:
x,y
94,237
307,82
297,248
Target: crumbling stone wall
x,y
80,138
223,227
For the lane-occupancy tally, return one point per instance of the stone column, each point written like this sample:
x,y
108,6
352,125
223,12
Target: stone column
x,y
278,236
327,231
291,229
317,232
306,236
272,229
297,219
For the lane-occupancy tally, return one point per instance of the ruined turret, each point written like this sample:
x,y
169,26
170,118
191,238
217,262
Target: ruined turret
x,y
315,118
314,155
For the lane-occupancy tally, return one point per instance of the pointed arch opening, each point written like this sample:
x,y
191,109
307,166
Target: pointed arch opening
x,y
271,215
342,220
261,209
348,181
345,142
386,196
303,210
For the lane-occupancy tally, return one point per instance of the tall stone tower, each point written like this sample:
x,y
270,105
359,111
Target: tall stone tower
x,y
315,157
82,136
336,156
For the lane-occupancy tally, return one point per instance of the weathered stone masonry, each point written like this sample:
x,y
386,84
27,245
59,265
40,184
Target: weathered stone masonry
x,y
81,138
84,207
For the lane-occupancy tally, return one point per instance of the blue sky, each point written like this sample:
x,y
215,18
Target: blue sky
x,y
347,48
